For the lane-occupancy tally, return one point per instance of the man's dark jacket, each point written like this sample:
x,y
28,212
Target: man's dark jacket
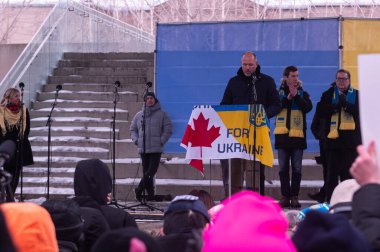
x,y
283,141
348,139
366,213
239,91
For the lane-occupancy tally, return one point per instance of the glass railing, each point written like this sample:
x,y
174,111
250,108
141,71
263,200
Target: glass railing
x,y
71,27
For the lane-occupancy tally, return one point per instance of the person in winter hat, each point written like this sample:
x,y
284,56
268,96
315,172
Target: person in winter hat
x,y
248,222
68,222
30,227
125,240
92,188
150,129
328,232
341,199
184,221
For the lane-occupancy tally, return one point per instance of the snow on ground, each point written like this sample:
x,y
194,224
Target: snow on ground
x,y
73,128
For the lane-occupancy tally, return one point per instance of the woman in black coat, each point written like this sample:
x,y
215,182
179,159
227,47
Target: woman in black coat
x,y
15,126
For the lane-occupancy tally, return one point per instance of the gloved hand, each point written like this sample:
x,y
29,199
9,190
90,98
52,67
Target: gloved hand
x,y
343,100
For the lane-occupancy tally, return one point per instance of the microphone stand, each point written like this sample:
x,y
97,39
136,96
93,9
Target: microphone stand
x,y
113,158
48,124
20,152
254,110
143,201
5,185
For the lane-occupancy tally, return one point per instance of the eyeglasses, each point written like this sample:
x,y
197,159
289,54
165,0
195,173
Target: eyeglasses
x,y
342,79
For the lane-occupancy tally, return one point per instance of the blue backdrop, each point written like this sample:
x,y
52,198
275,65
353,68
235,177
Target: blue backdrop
x,y
195,61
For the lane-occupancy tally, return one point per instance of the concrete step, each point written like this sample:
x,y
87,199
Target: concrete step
x,y
96,87
176,168
69,151
108,56
103,113
80,122
63,188
131,107
96,79
90,132
123,148
106,63
125,96
99,71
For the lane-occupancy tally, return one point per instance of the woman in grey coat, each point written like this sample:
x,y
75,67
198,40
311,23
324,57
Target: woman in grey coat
x,y
158,129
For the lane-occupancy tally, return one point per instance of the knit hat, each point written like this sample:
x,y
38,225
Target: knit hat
x,y
119,240
248,222
328,232
150,94
322,207
344,192
67,219
188,202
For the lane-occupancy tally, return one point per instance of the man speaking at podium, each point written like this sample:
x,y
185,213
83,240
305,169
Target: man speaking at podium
x,y
249,86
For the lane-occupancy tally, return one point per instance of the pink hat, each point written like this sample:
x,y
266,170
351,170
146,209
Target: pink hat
x,y
248,222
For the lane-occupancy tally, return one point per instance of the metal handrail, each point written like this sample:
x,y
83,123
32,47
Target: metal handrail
x,y
46,30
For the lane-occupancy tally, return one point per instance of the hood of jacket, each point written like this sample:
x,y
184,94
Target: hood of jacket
x,y
92,178
30,227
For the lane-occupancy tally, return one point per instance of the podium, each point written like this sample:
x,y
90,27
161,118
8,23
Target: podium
x,y
228,132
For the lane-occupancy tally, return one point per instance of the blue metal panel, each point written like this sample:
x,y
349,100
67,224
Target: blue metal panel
x,y
195,61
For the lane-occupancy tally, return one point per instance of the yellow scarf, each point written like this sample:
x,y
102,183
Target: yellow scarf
x,y
296,119
9,120
346,120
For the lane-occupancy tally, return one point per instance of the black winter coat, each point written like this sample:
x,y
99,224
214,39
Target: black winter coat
x,y
283,141
13,135
348,139
239,91
92,183
366,213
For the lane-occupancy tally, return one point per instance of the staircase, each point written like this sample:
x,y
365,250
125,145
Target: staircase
x,y
82,129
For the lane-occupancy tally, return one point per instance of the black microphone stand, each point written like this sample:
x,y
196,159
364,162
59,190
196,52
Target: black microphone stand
x,y
113,158
20,147
48,124
143,201
253,110
5,186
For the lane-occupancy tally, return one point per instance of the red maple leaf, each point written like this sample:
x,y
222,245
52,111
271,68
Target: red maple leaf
x,y
200,137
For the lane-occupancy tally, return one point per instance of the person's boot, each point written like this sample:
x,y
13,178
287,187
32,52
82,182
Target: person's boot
x,y
138,194
284,202
294,203
319,197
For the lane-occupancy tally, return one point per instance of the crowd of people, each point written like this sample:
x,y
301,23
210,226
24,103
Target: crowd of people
x,y
345,220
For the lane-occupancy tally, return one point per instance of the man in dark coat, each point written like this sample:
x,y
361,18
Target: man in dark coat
x,y
340,106
249,86
93,186
320,128
290,135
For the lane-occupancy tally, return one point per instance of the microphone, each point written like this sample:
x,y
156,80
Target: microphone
x,y
21,85
7,149
58,87
149,84
117,83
